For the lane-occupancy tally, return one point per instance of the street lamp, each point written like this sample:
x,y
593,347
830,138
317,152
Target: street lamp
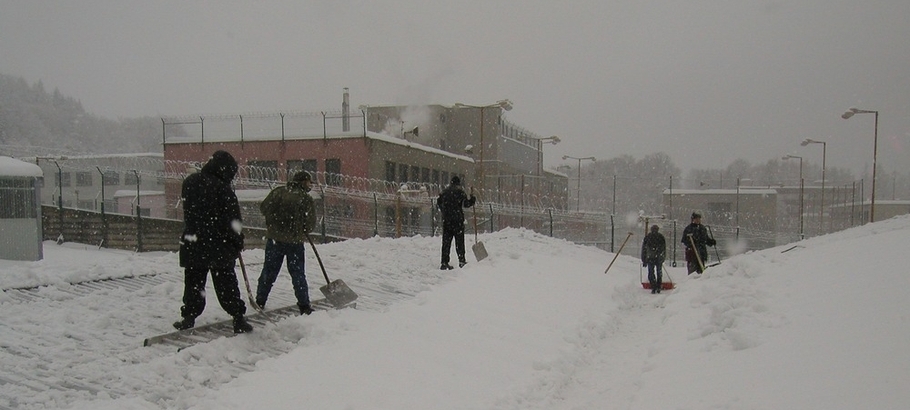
x,y
821,214
851,112
548,140
503,104
786,157
578,189
540,141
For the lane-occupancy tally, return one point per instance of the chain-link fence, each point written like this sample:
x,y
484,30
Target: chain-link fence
x,y
355,207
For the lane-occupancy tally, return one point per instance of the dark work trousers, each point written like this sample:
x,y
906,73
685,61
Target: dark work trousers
x,y
275,253
658,279
452,232
224,280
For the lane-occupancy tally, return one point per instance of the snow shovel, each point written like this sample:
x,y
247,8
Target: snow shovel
x,y
715,248
249,292
480,251
695,251
617,253
336,291
668,285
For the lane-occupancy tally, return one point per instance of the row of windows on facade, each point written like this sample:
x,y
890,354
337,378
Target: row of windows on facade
x,y
411,173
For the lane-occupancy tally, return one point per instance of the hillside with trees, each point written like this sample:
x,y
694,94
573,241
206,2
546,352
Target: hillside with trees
x,y
33,119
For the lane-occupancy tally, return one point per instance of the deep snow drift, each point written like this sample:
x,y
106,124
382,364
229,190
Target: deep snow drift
x,y
537,325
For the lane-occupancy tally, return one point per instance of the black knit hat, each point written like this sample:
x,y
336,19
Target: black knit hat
x,y
456,180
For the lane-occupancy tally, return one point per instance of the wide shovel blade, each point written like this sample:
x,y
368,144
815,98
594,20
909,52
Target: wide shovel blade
x,y
480,251
338,293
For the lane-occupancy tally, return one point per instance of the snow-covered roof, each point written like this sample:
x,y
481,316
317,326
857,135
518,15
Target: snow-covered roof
x,y
11,167
371,135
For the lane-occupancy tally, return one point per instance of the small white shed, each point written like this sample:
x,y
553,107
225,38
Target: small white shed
x,y
20,210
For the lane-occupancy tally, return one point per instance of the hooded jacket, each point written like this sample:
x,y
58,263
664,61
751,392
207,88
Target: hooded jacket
x,y
451,203
654,248
212,234
289,213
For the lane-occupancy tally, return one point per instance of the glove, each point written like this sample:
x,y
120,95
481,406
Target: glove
x,y
643,263
238,243
711,242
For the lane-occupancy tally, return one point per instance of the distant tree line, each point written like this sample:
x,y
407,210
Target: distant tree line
x,y
31,116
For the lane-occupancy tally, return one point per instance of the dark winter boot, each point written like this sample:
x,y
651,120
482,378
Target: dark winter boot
x,y
462,263
186,323
305,309
261,304
445,266
241,326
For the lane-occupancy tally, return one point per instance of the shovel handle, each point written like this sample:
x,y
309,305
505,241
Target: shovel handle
x,y
315,252
618,252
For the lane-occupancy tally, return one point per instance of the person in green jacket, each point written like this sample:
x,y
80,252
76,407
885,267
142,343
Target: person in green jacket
x,y
290,215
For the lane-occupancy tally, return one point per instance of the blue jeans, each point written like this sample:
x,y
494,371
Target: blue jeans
x,y
275,253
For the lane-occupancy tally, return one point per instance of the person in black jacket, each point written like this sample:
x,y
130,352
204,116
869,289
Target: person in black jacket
x,y
212,241
695,238
653,253
451,203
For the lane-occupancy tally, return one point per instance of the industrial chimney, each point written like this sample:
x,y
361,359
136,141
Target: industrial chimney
x,y
345,112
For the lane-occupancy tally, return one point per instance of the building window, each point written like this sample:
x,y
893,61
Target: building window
x,y
83,179
333,171
66,179
130,178
424,175
402,173
111,178
308,165
415,174
390,171
17,200
263,170
435,179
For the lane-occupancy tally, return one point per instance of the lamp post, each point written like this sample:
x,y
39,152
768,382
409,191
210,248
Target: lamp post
x,y
503,104
540,141
821,214
578,184
786,157
851,112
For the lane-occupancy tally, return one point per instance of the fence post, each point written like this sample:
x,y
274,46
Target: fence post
x,y
375,215
138,216
324,213
103,216
550,211
491,218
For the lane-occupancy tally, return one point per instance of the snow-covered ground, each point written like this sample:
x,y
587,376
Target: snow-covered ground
x,y
537,325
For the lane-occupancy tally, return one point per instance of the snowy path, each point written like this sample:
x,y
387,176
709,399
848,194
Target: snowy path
x,y
78,341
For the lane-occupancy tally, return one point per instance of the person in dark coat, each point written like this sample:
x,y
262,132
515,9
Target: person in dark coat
x,y
290,215
212,241
696,234
653,253
451,203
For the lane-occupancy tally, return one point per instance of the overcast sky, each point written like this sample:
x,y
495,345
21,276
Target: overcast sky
x,y
704,81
